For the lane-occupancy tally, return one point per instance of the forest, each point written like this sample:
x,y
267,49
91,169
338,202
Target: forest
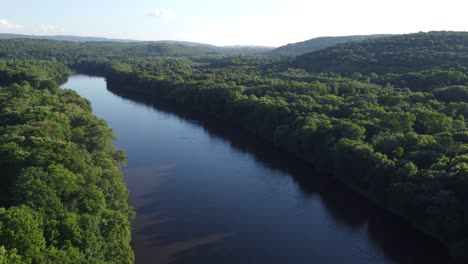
x,y
63,196
384,115
395,54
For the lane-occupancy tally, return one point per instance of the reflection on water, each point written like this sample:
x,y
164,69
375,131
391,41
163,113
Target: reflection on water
x,y
211,193
145,180
168,253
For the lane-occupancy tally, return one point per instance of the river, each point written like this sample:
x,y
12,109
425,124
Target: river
x,y
209,193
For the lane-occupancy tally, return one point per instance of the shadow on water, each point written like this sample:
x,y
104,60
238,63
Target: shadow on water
x,y
396,239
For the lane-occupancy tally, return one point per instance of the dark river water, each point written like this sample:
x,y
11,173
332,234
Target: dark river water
x,y
210,193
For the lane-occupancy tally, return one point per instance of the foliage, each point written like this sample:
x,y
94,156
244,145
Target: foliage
x,y
398,54
70,53
61,172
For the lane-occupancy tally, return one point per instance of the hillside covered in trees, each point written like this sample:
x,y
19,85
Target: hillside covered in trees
x,y
63,196
311,45
71,52
386,116
397,54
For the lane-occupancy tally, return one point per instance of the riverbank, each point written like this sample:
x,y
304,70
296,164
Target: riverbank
x,y
209,192
165,91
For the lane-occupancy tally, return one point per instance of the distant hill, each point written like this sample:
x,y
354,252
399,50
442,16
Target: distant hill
x,y
320,43
173,47
396,54
62,38
159,47
248,49
67,51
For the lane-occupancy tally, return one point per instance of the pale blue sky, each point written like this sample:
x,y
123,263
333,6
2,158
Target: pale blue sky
x,y
236,22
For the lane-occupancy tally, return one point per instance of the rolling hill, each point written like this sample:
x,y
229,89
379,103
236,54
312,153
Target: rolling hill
x,y
319,43
61,38
397,54
70,50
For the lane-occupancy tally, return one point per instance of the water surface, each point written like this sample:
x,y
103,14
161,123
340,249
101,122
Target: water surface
x,y
210,193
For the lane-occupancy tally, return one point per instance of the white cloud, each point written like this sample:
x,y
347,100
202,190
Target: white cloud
x,y
162,13
51,29
5,24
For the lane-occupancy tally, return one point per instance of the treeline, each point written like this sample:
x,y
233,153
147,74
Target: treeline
x,y
63,194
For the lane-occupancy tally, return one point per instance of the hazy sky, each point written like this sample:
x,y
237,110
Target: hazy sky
x,y
235,22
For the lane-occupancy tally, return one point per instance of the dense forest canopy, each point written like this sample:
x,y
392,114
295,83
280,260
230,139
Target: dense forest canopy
x,y
397,54
71,52
65,198
386,116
